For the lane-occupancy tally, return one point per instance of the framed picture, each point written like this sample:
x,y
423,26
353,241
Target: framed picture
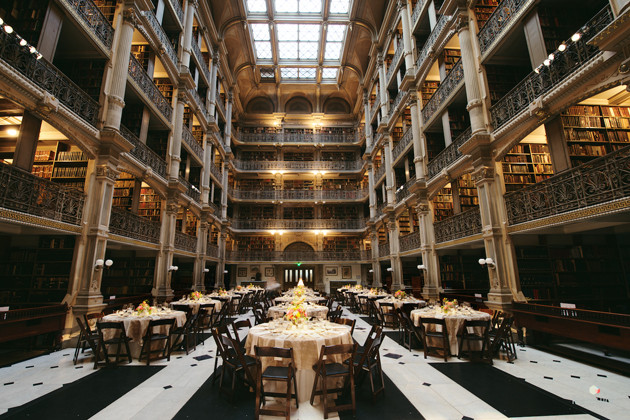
x,y
346,272
269,272
331,270
242,272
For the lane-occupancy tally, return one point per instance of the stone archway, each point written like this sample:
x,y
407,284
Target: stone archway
x,y
293,272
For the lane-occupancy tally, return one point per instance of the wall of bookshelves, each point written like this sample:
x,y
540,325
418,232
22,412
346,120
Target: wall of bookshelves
x,y
462,271
502,78
62,163
256,212
468,197
339,244
256,243
526,163
142,53
150,205
427,90
298,212
483,10
131,274
443,204
123,191
450,57
340,211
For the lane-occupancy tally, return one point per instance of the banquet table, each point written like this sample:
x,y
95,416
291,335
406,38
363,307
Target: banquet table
x,y
312,311
313,299
398,303
136,326
454,321
306,340
196,303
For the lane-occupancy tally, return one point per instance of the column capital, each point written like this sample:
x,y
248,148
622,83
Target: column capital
x,y
461,22
412,98
107,171
130,15
483,174
423,208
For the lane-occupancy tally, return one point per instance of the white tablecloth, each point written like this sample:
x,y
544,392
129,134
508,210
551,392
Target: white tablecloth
x,y
317,311
195,304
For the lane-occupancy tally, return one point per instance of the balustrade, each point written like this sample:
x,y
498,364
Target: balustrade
x,y
292,256
393,64
383,249
185,242
545,78
165,42
403,191
178,10
268,224
200,103
49,78
410,241
375,106
200,60
191,190
403,143
212,251
500,19
221,105
379,172
459,226
416,11
217,172
427,48
251,165
298,194
449,155
397,99
192,143
24,192
132,226
599,181
94,19
146,85
453,80
144,154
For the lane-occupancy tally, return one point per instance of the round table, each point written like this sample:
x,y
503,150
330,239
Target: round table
x,y
454,321
306,298
399,303
196,303
136,326
312,311
306,341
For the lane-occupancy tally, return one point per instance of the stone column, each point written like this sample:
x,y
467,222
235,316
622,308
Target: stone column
x,y
394,253
175,145
188,27
405,17
228,121
222,256
213,84
26,144
164,260
205,170
376,266
200,259
224,186
371,191
432,288
368,127
419,151
389,170
471,77
384,105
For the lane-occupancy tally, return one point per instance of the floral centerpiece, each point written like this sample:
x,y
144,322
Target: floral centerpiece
x,y
222,292
400,295
298,292
144,309
296,314
250,286
239,288
373,291
358,287
448,305
196,295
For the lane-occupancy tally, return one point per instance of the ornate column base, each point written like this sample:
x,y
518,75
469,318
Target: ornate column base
x,y
163,294
499,300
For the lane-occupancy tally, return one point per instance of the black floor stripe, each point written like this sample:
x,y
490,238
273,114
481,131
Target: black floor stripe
x,y
85,397
507,394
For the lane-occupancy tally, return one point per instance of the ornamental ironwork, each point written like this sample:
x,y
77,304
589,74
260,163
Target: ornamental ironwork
x,y
253,165
427,48
191,190
383,249
453,80
178,10
297,137
379,172
599,181
459,226
221,106
499,20
212,251
24,192
410,241
144,154
298,194
200,102
545,78
403,192
146,85
217,172
200,60
397,99
375,106
94,19
185,242
192,142
293,256
394,63
165,42
449,155
403,143
49,78
131,225
416,11
268,224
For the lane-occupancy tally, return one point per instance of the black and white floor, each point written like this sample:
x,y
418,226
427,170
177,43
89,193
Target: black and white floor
x,y
536,385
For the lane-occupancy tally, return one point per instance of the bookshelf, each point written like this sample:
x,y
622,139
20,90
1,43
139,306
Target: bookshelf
x,y
526,163
463,272
502,78
427,90
258,155
298,156
591,131
339,156
108,8
435,143
298,184
256,184
142,53
35,269
256,212
458,120
343,212
555,25
158,142
403,224
443,204
339,244
165,87
128,276
259,130
483,10
335,130
468,197
450,57
123,191
150,205
298,213
339,184
256,243
197,132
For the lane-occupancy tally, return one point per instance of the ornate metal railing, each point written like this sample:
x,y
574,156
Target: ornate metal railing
x,y
221,105
192,142
146,85
394,63
178,10
453,80
502,16
185,242
131,225
403,191
599,181
191,191
161,35
459,226
251,165
48,77
144,154
410,241
200,60
295,256
416,11
380,208
396,102
93,19
375,106
564,64
383,249
298,194
402,144
218,173
449,155
212,250
296,137
200,102
378,173
27,193
428,45
268,224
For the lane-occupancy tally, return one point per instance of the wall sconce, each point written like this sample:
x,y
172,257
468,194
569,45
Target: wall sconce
x,y
206,270
98,264
487,261
370,271
225,271
421,267
390,269
173,268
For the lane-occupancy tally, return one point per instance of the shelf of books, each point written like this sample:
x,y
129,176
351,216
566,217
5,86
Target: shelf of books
x,y
427,90
128,276
108,8
150,205
339,244
591,131
502,78
468,197
256,243
256,212
298,213
123,191
525,164
443,204
61,163
483,10
450,57
463,272
142,53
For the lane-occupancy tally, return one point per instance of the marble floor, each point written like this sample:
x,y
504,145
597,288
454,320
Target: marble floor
x,y
433,394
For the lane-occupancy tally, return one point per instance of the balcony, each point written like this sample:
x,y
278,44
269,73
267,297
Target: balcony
x,y
603,180
427,48
383,249
410,241
218,173
296,138
144,154
252,165
221,106
302,224
145,85
185,242
200,103
402,144
201,63
177,8
452,82
459,226
26,193
394,105
565,63
48,78
503,16
380,209
309,256
163,44
298,194
416,12
191,191
449,155
91,17
394,63
130,225
375,106
192,143
403,191
379,172
212,251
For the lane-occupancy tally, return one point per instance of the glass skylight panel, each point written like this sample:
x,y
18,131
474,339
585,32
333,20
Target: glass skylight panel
x,y
288,50
257,6
307,73
310,6
339,6
333,51
289,73
286,6
298,73
260,32
308,50
287,32
329,73
263,49
335,33
309,32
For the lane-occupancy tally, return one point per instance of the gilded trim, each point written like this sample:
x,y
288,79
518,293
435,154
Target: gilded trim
x,y
28,219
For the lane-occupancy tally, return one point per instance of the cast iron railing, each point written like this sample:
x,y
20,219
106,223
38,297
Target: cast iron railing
x,y
453,80
252,165
459,226
200,60
178,10
375,106
192,142
144,154
94,19
191,191
403,192
410,241
416,11
131,225
298,194
449,155
394,62
423,54
499,19
402,144
383,249
161,35
146,85
185,242
212,250
295,256
269,224
378,173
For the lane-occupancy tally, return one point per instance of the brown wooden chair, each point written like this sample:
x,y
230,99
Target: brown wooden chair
x,y
217,332
347,321
388,315
245,323
185,334
327,368
284,374
374,331
375,313
87,338
503,340
368,363
409,332
154,335
469,335
234,359
428,334
117,340
335,314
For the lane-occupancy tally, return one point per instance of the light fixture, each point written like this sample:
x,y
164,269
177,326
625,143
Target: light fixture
x,y
551,56
32,49
98,264
390,269
562,47
12,132
225,271
421,267
370,271
547,62
8,29
23,42
487,261
173,268
576,37
108,263
206,270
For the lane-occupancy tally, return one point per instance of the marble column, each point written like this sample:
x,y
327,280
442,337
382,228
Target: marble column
x,y
376,266
432,288
394,254
389,169
419,151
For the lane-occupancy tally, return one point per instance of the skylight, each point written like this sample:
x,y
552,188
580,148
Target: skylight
x,y
256,6
329,73
296,73
298,6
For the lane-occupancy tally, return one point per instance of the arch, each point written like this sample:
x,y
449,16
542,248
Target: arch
x,y
336,106
260,105
298,105
298,246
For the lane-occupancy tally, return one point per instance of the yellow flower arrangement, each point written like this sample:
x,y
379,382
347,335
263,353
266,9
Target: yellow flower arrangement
x,y
222,292
400,294
239,288
144,309
196,295
296,314
448,305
